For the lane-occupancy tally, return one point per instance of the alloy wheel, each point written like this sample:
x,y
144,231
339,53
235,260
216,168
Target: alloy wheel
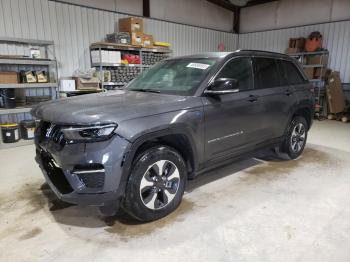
x,y
297,139
159,184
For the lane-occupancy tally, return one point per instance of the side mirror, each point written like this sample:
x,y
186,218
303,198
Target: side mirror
x,y
223,86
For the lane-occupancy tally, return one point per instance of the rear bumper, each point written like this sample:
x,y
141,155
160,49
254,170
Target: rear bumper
x,y
97,187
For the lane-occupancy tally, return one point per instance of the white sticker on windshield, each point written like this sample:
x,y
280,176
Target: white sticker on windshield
x,y
198,65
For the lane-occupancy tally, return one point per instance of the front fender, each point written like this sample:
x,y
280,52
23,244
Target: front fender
x,y
187,122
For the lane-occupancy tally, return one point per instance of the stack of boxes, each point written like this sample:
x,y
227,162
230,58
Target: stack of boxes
x,y
315,64
131,33
133,26
125,64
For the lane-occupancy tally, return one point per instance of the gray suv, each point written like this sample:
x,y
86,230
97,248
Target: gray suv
x,y
135,148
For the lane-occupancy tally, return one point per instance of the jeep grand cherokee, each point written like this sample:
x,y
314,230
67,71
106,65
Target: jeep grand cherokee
x,y
137,147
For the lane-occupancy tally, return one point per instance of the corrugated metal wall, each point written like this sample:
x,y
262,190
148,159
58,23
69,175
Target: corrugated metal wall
x,y
73,28
336,38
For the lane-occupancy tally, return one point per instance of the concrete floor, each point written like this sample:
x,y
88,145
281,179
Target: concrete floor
x,y
252,210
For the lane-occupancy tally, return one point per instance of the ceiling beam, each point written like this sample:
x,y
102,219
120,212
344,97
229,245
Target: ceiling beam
x,y
224,4
258,2
236,21
145,8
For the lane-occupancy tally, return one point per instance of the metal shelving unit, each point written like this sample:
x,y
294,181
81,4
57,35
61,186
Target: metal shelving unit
x,y
114,83
79,92
29,85
99,46
116,65
306,66
24,61
18,63
17,110
319,83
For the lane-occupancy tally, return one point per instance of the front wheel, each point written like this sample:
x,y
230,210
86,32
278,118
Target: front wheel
x,y
156,184
295,139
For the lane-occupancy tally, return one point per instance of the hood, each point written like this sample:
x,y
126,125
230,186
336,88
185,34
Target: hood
x,y
111,106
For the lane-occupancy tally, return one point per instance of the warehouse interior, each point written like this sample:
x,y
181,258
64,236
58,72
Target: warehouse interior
x,y
256,208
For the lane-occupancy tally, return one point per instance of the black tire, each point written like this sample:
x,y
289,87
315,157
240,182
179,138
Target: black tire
x,y
294,143
145,168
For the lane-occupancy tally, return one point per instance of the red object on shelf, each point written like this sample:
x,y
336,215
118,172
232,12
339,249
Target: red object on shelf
x,y
132,59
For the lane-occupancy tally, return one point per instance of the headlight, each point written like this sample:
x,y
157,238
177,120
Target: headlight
x,y
76,134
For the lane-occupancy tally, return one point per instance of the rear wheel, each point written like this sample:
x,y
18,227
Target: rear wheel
x,y
295,139
156,184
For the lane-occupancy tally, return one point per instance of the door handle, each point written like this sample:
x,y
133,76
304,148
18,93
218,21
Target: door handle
x,y
288,92
252,98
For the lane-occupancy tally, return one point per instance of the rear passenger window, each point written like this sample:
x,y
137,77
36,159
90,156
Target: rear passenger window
x,y
241,70
291,73
266,73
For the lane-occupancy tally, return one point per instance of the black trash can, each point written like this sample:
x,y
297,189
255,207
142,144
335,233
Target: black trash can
x,y
10,133
27,129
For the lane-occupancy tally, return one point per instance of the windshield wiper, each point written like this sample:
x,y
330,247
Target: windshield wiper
x,y
145,90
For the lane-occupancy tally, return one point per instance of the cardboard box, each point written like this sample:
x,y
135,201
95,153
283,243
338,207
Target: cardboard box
x,y
335,94
147,41
317,60
297,43
87,84
131,25
293,50
119,38
106,57
95,56
137,39
28,77
322,73
8,78
309,71
35,53
41,76
67,85
115,57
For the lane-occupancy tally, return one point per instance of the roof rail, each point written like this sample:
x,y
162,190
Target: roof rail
x,y
260,51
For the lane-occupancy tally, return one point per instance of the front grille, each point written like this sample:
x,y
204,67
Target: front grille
x,y
92,180
55,173
50,131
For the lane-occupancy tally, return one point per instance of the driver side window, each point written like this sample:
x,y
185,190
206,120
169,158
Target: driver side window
x,y
241,70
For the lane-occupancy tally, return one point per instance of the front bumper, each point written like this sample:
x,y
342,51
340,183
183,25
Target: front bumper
x,y
89,185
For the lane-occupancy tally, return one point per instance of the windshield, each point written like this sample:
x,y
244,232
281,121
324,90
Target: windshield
x,y
178,76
